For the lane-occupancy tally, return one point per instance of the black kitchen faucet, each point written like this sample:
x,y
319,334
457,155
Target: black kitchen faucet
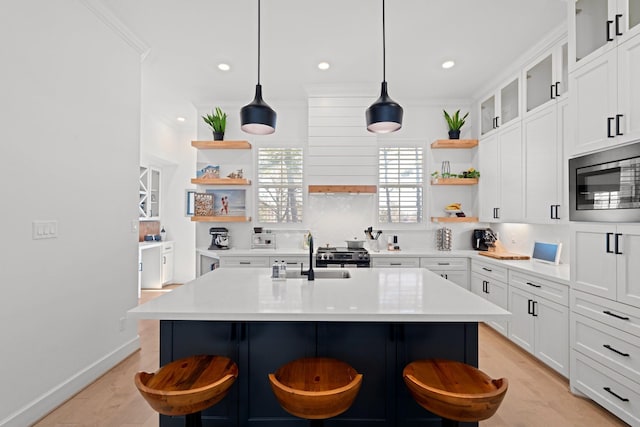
x,y
309,273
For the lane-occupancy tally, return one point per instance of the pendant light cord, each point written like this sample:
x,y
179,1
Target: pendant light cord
x,y
384,53
259,41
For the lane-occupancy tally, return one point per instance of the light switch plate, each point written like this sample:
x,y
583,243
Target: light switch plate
x,y
45,229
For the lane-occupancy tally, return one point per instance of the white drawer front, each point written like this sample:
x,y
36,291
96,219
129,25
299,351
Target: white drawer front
x,y
494,271
167,247
553,291
434,263
611,347
395,262
237,261
619,316
602,385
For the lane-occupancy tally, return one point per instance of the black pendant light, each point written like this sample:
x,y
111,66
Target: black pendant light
x,y
384,115
257,117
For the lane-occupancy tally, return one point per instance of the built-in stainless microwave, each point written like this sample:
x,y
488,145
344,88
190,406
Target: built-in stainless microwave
x,y
605,186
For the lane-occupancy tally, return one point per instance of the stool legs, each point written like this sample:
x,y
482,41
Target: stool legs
x,y
193,420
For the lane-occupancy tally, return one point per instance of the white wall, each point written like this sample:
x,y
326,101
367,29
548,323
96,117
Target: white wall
x,y
69,152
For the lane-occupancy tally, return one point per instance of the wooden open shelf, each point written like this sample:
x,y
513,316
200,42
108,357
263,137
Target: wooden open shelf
x,y
221,145
454,219
221,218
454,181
454,143
365,189
220,181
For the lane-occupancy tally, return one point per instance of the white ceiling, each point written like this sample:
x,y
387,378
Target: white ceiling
x,y
189,38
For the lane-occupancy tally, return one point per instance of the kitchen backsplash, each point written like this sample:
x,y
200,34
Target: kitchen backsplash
x,y
148,227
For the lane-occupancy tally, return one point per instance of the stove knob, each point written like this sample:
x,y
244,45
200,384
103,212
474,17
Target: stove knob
x,y
360,256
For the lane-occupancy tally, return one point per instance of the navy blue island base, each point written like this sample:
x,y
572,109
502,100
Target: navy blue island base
x,y
378,350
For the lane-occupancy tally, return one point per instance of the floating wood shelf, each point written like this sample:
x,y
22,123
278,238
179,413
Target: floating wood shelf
x,y
454,181
221,145
454,143
365,189
454,219
220,181
221,218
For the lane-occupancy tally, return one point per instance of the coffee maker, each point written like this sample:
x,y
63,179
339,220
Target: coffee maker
x,y
483,238
219,238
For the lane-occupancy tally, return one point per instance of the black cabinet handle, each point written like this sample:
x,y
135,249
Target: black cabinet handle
x,y
497,118
245,262
557,91
444,275
395,263
608,389
618,32
609,38
443,263
609,251
534,285
609,120
617,243
529,309
618,117
551,94
608,347
486,269
140,266
487,288
497,213
557,211
615,315
534,309
551,213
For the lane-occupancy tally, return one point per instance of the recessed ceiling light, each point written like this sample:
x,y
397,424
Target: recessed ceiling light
x,y
324,66
180,119
224,67
448,64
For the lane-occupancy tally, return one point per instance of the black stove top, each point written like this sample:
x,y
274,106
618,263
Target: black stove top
x,y
334,256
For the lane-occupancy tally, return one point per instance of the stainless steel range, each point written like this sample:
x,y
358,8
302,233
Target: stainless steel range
x,y
342,257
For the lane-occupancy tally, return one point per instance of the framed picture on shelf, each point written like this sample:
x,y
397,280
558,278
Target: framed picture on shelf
x,y
203,204
189,201
207,171
228,202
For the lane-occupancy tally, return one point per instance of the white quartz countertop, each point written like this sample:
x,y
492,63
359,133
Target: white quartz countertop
x,y
369,295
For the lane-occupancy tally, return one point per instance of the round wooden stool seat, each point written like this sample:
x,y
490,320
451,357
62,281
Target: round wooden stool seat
x,y
189,385
315,388
454,390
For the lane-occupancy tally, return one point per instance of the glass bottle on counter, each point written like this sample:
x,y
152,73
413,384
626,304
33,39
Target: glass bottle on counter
x,y
282,273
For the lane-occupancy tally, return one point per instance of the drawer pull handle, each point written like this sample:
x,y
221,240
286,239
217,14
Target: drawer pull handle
x,y
443,263
245,262
608,389
615,315
608,347
534,285
395,263
486,269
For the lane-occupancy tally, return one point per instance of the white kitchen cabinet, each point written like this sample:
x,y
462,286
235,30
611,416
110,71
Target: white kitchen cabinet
x,y
453,269
501,107
544,133
490,282
149,182
604,260
605,96
167,262
501,183
244,261
150,266
395,261
546,79
206,264
540,322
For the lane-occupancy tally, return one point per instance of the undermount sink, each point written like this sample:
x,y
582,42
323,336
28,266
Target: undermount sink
x,y
320,274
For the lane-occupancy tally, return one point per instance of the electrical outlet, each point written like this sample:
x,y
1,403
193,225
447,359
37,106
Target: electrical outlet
x,y
134,226
44,229
123,323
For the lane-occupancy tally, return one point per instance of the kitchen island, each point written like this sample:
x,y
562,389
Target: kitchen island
x,y
377,320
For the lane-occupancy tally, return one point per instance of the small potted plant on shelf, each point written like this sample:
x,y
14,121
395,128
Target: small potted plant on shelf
x,y
217,122
455,122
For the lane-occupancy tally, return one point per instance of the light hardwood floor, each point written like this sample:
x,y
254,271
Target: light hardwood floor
x,y
537,396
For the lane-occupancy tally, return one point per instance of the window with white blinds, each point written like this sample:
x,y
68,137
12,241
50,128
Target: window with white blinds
x,y
280,185
400,186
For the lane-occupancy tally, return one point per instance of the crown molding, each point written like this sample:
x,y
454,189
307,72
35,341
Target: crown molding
x,y
99,9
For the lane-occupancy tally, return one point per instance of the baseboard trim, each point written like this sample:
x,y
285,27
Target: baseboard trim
x,y
38,408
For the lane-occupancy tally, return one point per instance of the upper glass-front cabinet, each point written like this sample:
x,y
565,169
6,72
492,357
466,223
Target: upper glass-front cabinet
x,y
600,24
546,78
500,108
149,203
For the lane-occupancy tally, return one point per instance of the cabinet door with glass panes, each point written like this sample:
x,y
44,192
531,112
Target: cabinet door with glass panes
x,y
501,107
546,78
149,202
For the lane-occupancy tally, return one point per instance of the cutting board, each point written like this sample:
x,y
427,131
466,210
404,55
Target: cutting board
x,y
498,252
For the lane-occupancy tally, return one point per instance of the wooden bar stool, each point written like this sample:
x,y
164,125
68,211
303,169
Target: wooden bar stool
x,y
454,390
188,386
315,388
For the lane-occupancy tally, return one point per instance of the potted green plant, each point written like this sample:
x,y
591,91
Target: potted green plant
x,y
455,122
218,123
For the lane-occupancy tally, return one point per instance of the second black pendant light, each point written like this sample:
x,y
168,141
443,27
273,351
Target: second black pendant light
x,y
384,115
257,117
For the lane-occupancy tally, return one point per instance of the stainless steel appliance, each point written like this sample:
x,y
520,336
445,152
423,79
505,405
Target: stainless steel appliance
x,y
219,238
342,257
605,186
